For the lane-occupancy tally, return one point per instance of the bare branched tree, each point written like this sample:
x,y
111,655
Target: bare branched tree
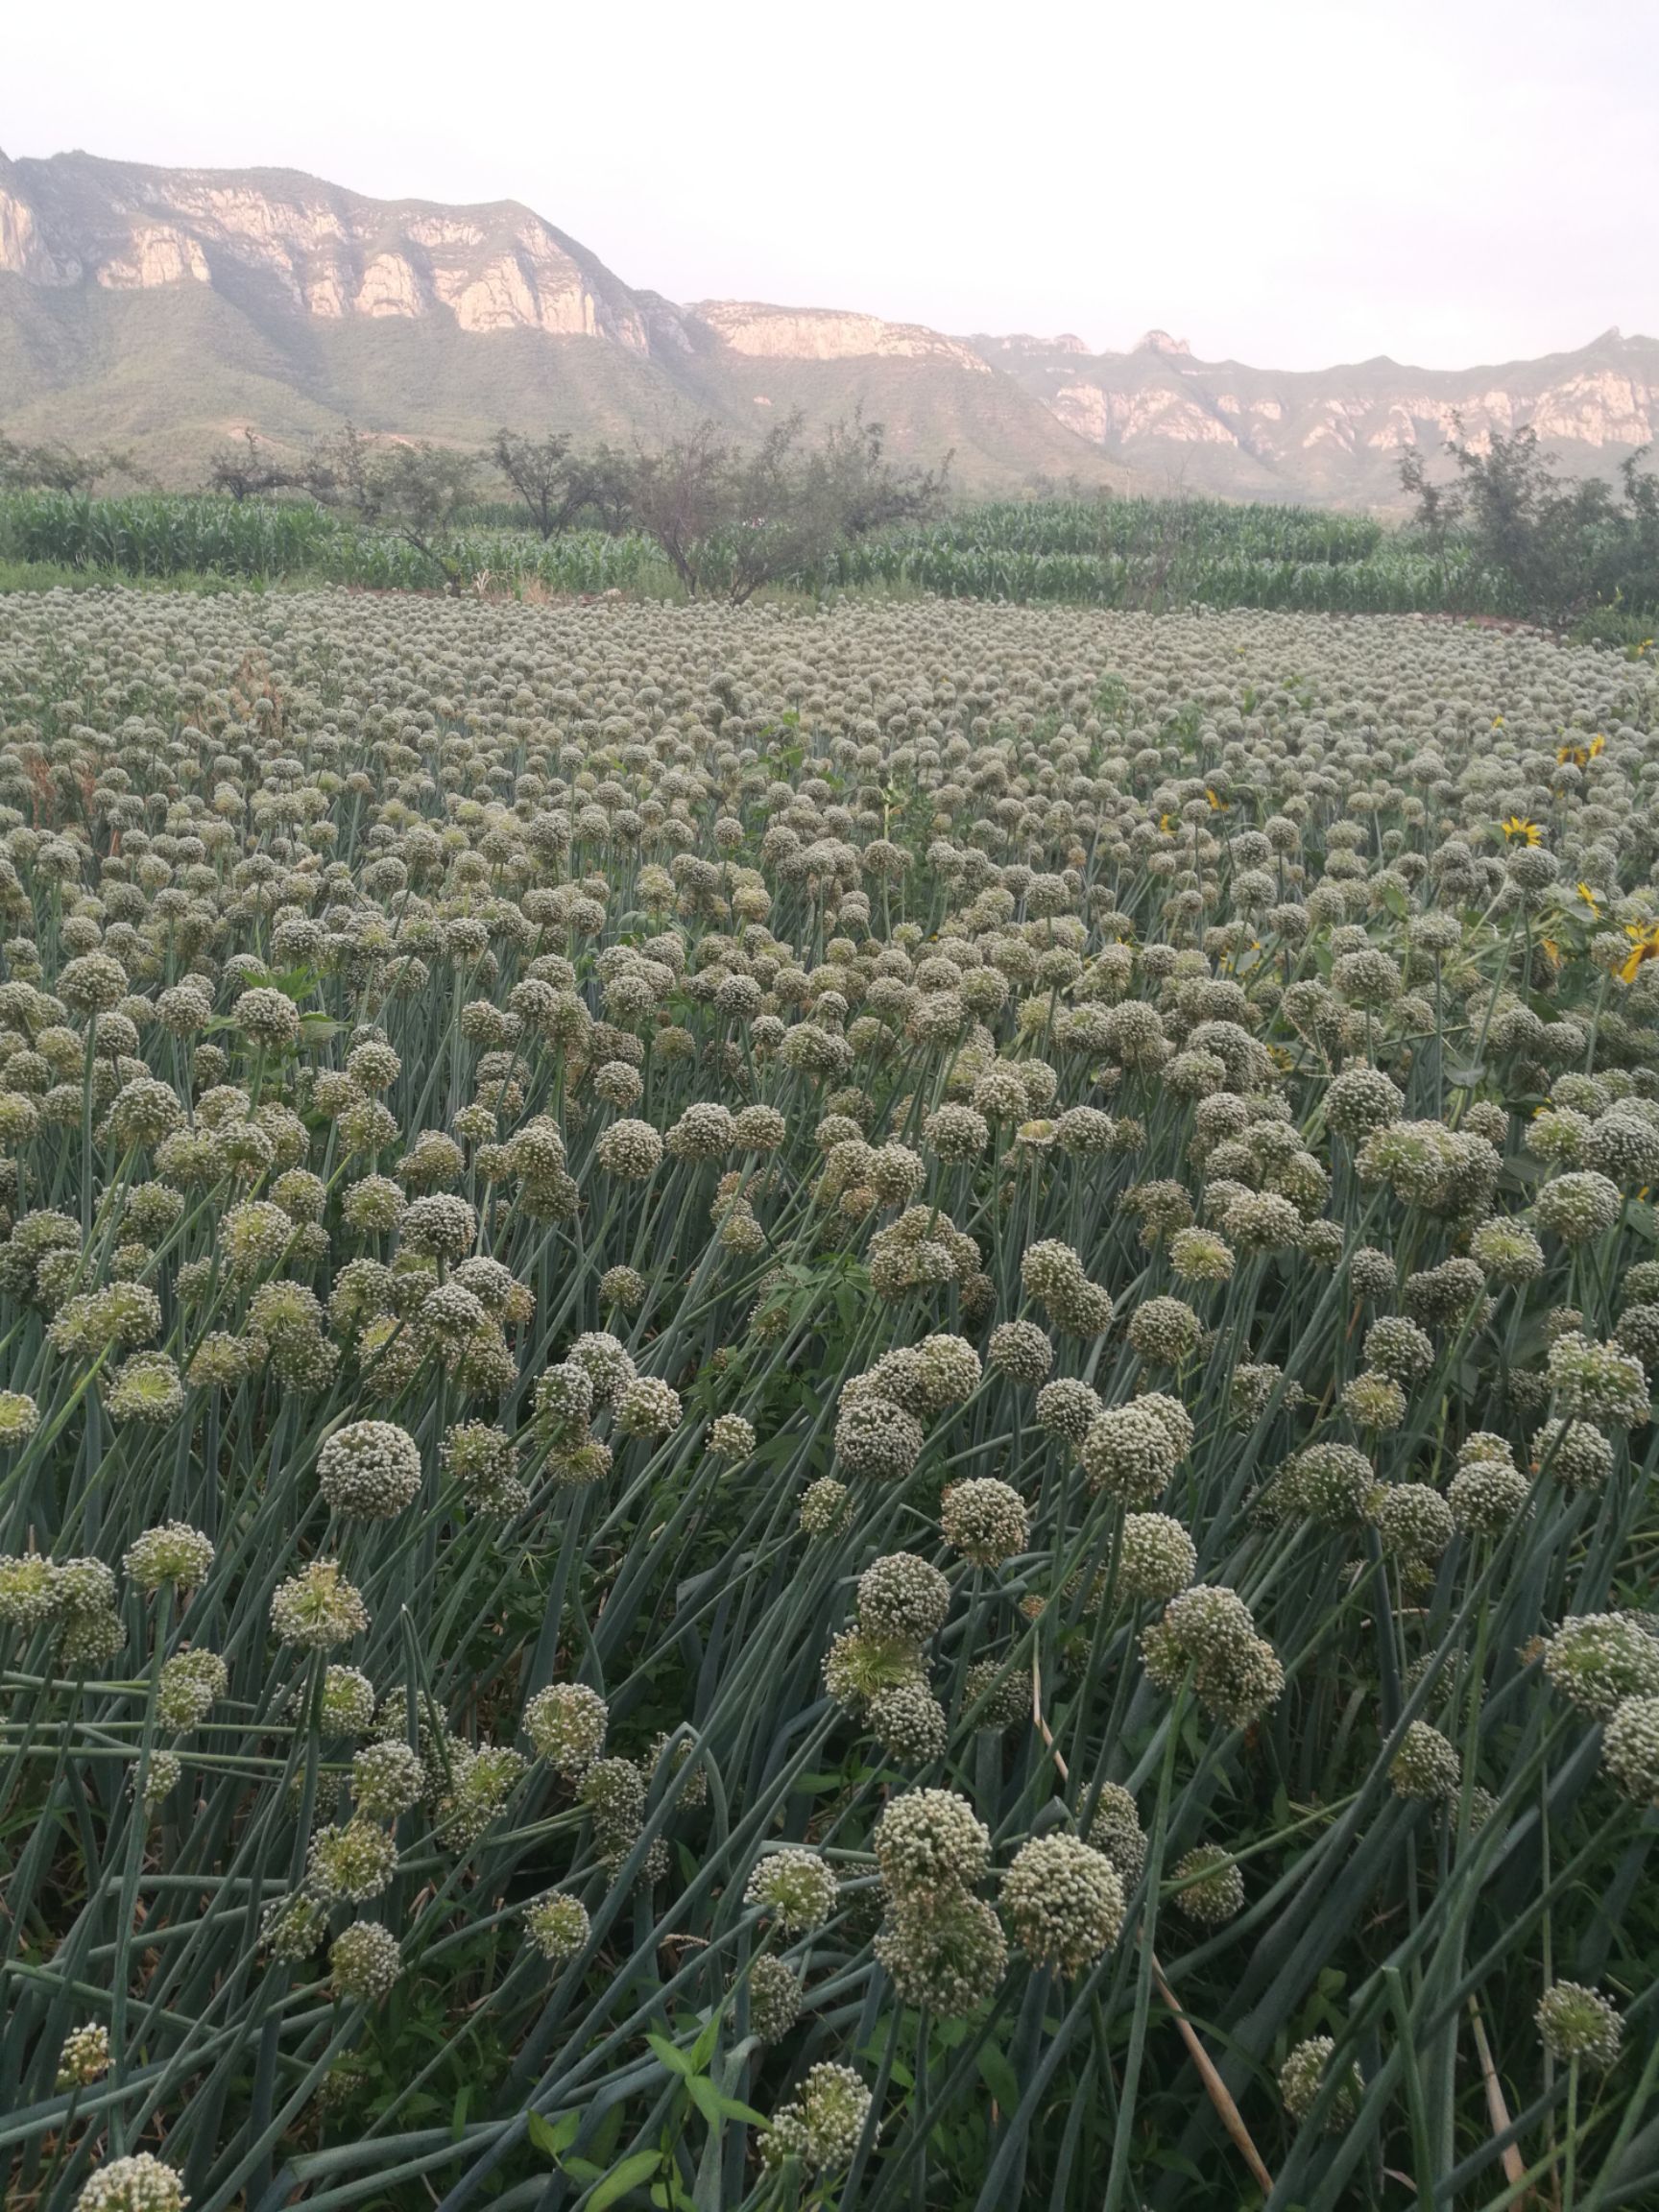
x,y
415,490
560,487
55,467
248,469
731,519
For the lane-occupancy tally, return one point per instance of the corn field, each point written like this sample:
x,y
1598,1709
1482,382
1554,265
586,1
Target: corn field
x,y
267,541
1122,553
1139,553
1134,526
841,1408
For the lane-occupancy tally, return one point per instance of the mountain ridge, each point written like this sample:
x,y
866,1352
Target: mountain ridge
x,y
167,309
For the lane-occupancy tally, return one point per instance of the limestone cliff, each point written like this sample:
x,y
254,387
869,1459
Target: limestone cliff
x,y
826,334
328,251
1336,432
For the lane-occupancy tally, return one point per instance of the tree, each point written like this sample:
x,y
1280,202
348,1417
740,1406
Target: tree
x,y
56,467
1509,497
730,518
604,488
686,498
559,487
246,470
537,470
1566,547
860,489
1439,506
1640,583
414,490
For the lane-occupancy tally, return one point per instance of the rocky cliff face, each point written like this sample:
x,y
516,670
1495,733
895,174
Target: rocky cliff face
x,y
824,334
283,250
23,250
329,253
333,253
1335,432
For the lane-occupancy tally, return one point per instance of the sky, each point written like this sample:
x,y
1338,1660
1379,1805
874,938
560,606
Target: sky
x,y
1292,183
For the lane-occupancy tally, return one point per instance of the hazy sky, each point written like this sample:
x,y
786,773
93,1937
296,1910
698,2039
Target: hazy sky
x,y
1292,183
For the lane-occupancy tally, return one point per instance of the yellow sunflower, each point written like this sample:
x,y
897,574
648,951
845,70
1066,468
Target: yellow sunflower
x,y
1517,825
1579,755
1644,938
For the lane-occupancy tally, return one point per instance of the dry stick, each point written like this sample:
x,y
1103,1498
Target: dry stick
x,y
1496,2112
1232,2119
1217,2091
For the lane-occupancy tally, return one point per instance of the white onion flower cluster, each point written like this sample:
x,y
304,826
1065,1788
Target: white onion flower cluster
x,y
806,1191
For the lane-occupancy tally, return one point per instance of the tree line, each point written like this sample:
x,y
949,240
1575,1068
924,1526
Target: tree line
x,y
727,518
730,518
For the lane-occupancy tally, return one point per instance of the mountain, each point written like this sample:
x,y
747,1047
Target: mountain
x,y
1330,434
165,309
